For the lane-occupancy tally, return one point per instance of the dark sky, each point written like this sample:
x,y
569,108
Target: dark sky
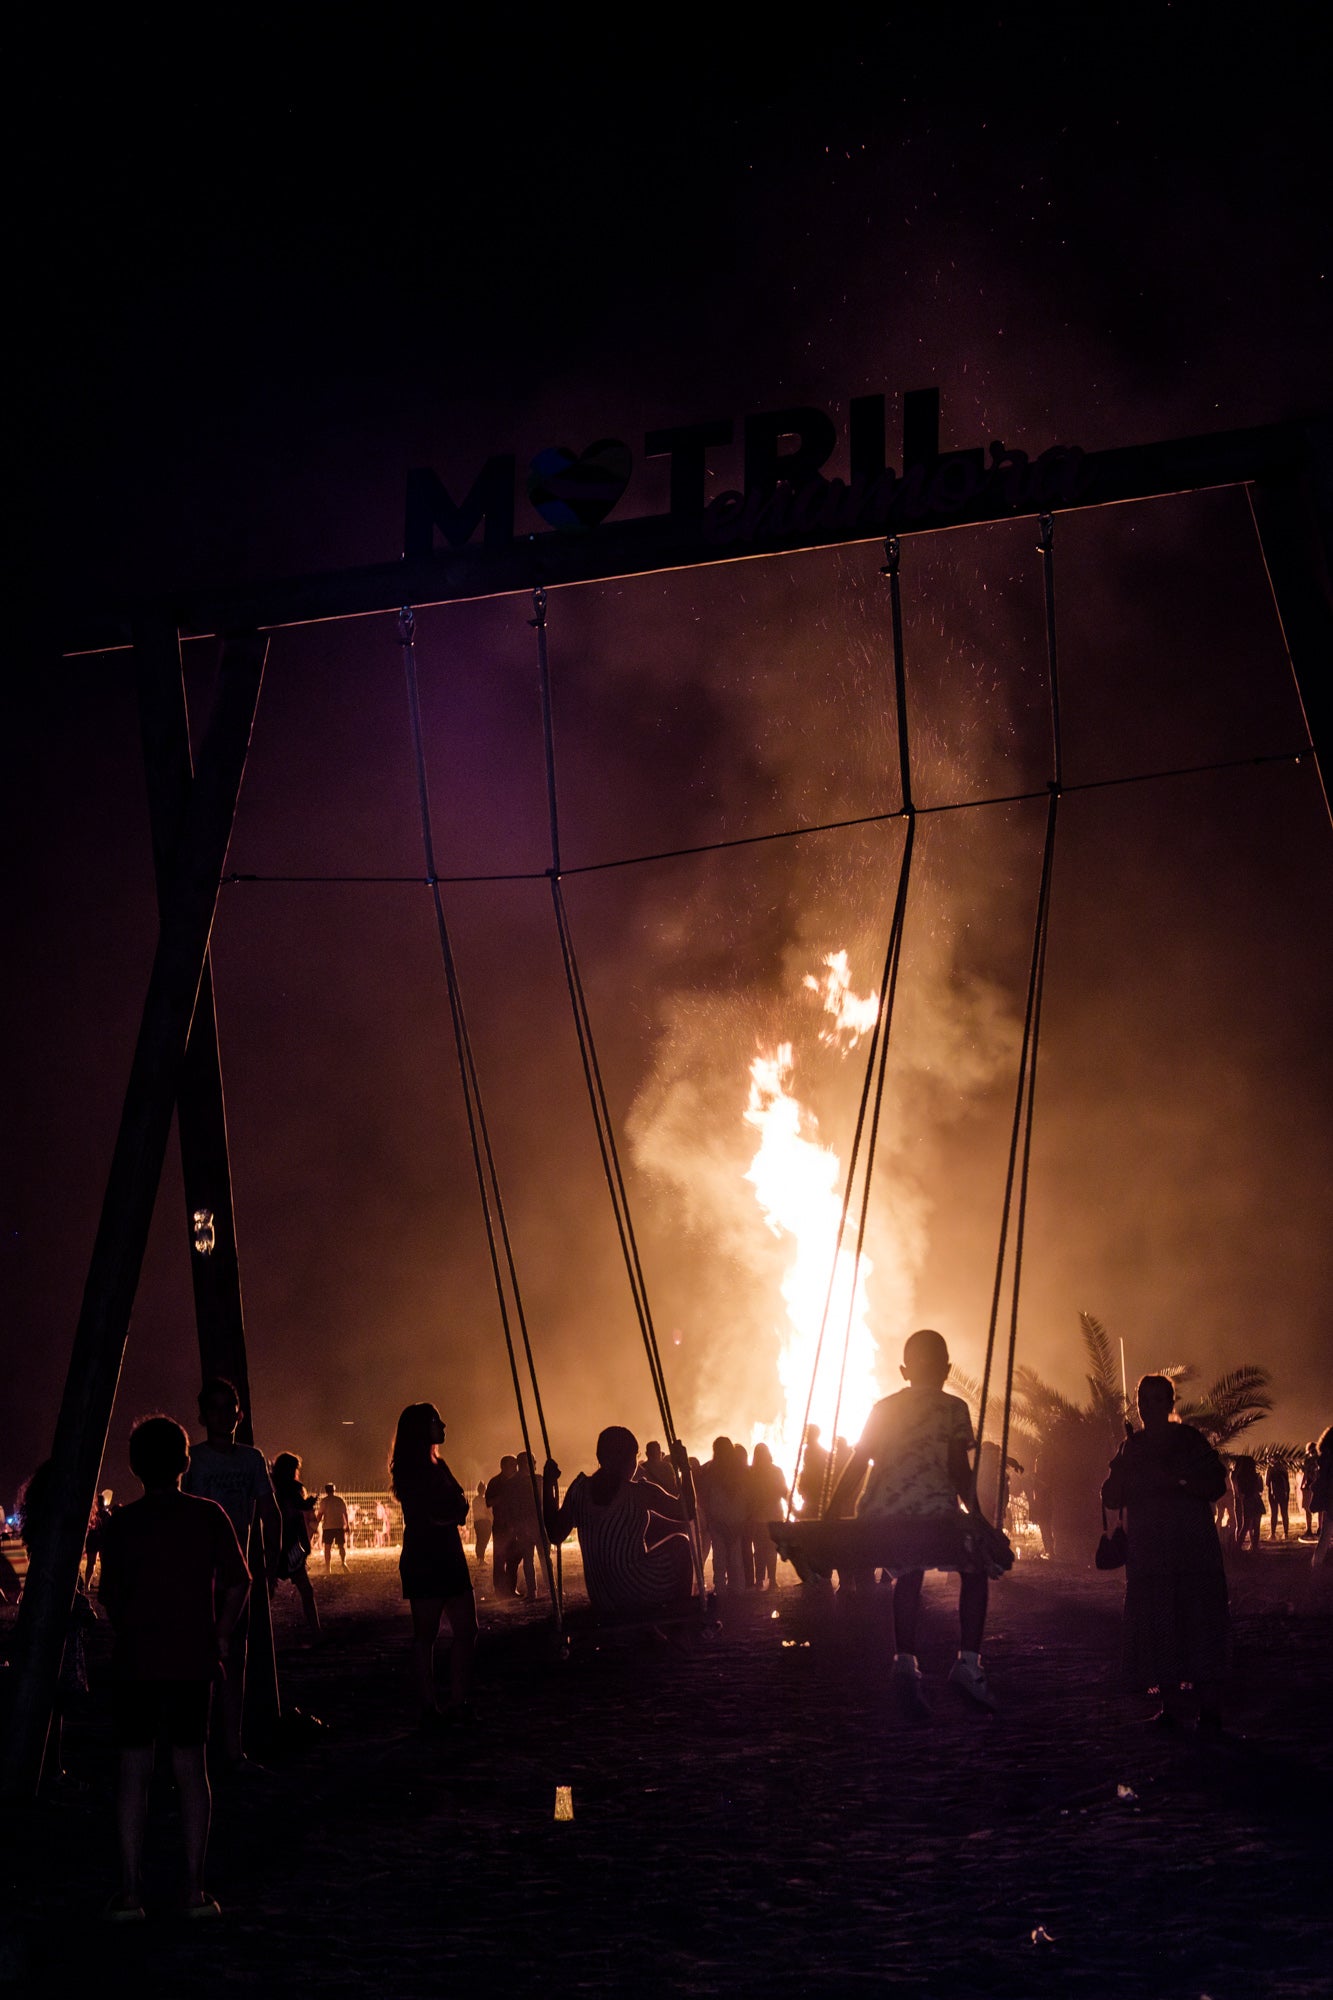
x,y
269,264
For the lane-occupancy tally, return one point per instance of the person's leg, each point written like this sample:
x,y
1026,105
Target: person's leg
x,y
328,1553
530,1572
190,1767
132,1776
342,1550
973,1597
907,1610
305,1590
426,1613
462,1615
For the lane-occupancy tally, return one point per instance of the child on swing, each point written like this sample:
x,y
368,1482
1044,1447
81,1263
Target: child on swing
x,y
916,1447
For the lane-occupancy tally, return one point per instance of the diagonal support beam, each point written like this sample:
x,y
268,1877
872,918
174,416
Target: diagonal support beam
x,y
201,1107
127,1209
201,1120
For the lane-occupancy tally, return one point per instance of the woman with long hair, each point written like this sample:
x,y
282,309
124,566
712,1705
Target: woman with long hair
x,y
433,1566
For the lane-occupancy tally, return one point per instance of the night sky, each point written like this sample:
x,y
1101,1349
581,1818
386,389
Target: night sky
x,y
268,266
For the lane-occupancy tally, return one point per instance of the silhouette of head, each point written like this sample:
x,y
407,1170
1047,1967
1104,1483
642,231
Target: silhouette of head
x,y
762,1455
1156,1397
926,1358
420,1427
286,1465
159,1451
219,1404
509,1463
617,1449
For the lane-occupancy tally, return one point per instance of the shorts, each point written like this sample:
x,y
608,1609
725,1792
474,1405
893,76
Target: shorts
x,y
143,1711
332,1535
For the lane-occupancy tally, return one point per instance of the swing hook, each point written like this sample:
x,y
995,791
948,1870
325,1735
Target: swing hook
x,y
892,552
539,608
407,626
1045,533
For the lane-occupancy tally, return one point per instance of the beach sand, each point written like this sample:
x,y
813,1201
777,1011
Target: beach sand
x,y
749,1815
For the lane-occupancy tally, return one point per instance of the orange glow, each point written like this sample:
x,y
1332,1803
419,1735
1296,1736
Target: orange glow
x,y
798,1183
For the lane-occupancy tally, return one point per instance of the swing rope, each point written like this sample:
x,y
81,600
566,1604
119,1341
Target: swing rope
x,y
877,1056
498,1239
597,1099
1020,1139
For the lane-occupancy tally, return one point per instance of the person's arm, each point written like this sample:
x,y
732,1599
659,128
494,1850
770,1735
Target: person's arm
x,y
1114,1494
556,1516
229,1610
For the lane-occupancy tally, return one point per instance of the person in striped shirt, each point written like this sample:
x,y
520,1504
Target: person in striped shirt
x,y
633,1537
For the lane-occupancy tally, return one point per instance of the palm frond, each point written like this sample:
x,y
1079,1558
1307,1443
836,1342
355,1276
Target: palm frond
x,y
1232,1404
1042,1403
1101,1353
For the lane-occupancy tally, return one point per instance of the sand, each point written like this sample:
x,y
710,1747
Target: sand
x,y
749,1815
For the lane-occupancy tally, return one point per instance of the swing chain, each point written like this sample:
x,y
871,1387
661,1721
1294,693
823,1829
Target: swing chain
x,y
1045,533
892,553
407,626
538,622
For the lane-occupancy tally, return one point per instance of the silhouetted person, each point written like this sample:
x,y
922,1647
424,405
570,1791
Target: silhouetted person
x,y
524,1530
502,1499
1309,1486
748,1521
768,1490
35,1511
174,1583
722,1499
297,1510
988,1480
481,1522
813,1475
916,1445
333,1515
1277,1480
1323,1500
633,1537
1167,1477
236,1477
1247,1489
433,1567
93,1540
657,1468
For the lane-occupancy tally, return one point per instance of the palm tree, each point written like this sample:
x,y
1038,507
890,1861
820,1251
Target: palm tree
x,y
1103,1416
1230,1405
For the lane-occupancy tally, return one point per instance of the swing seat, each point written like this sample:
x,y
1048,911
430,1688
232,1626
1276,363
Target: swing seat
x,y
897,1543
587,1627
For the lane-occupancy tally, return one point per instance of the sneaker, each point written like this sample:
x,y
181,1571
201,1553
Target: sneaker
x,y
971,1681
908,1698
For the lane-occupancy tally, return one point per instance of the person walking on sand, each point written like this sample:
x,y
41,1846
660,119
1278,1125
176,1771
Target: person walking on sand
x,y
916,1447
332,1515
174,1583
435,1576
1166,1478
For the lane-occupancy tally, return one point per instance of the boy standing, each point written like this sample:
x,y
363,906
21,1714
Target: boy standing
x,y
236,1477
174,1582
917,1445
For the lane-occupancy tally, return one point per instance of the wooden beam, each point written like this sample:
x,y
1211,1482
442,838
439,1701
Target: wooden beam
x,y
127,1208
1294,521
201,1119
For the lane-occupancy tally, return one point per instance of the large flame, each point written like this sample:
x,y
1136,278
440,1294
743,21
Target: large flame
x,y
798,1182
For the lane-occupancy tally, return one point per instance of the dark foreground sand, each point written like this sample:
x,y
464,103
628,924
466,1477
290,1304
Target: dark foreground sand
x,y
750,1818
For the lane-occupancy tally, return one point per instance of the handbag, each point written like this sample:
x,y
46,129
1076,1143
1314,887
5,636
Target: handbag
x,y
1113,1547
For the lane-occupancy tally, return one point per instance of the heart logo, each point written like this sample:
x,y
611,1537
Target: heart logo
x,y
578,489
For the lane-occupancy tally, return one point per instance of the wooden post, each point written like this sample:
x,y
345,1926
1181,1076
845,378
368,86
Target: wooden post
x,y
127,1208
201,1118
